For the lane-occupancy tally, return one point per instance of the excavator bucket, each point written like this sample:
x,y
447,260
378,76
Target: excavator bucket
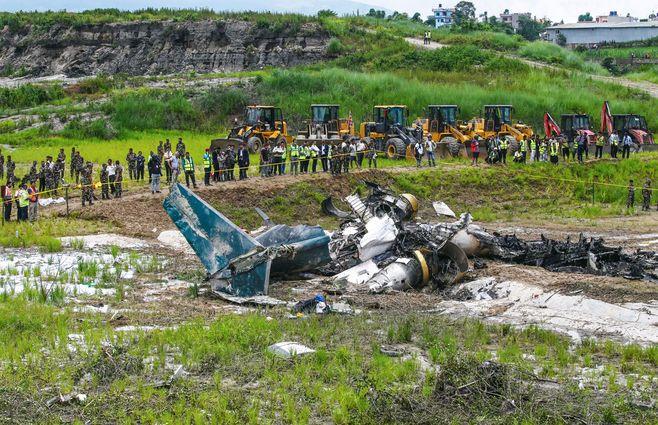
x,y
450,148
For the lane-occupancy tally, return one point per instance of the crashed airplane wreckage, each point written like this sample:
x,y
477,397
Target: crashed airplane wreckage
x,y
379,246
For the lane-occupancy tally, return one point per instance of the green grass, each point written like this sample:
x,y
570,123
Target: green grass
x,y
44,232
232,379
554,54
532,92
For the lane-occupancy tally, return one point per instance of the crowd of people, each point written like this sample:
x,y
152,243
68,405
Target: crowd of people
x,y
537,149
274,159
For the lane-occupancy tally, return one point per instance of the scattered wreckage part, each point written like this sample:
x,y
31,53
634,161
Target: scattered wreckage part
x,y
381,233
442,209
359,208
453,271
400,275
255,301
468,242
306,248
412,209
266,219
217,242
329,208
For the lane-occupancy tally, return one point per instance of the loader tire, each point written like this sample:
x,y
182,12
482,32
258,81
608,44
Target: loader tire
x,y
254,144
396,149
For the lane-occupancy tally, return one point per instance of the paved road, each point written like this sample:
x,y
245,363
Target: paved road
x,y
650,88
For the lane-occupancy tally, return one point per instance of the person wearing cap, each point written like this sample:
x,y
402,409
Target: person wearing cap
x,y
206,167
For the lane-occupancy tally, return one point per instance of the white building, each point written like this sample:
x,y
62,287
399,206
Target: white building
x,y
512,19
590,33
443,16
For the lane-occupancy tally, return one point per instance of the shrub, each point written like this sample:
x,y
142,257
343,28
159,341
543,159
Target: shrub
x,y
94,129
145,110
29,95
335,47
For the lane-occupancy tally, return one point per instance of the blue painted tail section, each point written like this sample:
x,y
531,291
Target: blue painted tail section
x,y
214,238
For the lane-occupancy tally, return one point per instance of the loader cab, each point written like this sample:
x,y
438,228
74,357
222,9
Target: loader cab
x,y
390,116
495,116
326,115
627,122
575,122
270,116
441,116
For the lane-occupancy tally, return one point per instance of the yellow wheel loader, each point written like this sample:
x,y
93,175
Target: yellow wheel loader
x,y
326,124
497,121
260,124
446,130
389,131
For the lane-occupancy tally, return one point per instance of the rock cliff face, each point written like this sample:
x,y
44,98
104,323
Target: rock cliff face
x,y
147,48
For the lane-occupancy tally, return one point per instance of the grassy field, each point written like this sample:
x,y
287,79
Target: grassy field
x,y
231,378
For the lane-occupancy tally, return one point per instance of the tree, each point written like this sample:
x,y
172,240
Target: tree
x,y
431,21
379,14
529,28
326,13
587,17
416,17
561,40
464,13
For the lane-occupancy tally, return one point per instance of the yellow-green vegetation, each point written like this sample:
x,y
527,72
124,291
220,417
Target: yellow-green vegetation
x,y
231,378
45,232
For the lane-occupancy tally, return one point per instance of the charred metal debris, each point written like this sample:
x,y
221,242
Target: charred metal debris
x,y
379,246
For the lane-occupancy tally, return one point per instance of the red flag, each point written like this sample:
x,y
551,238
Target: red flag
x,y
606,118
550,126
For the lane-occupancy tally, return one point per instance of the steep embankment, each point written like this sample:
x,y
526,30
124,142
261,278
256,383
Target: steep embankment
x,y
145,48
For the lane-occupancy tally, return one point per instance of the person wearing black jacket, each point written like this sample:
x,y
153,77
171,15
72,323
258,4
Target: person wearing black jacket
x,y
215,165
154,171
243,161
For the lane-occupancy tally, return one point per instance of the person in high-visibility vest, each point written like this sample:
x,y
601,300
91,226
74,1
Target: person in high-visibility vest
x,y
294,158
207,163
188,169
315,152
554,151
504,144
543,154
600,142
533,150
23,200
523,148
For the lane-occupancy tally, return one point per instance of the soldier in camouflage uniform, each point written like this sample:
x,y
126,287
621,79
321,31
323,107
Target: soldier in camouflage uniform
x,y
630,200
118,170
87,185
105,178
79,164
33,175
42,176
58,166
2,166
48,173
61,158
646,195
180,147
73,165
11,168
131,160
345,156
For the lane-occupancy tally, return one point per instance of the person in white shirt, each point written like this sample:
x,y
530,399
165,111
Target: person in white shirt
x,y
418,147
430,146
626,146
168,155
175,168
111,174
315,152
360,151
